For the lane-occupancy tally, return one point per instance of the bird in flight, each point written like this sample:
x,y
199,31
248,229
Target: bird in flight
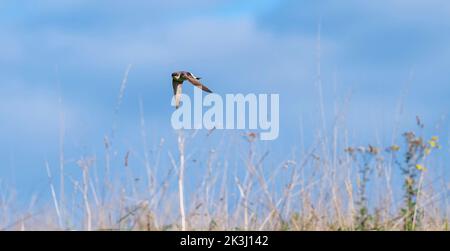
x,y
177,81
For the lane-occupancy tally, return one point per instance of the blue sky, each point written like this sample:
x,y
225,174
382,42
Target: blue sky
x,y
374,52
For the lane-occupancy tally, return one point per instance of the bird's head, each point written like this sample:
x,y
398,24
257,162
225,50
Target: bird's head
x,y
176,76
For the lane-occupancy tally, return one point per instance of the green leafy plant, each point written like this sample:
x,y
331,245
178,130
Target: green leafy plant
x,y
417,149
364,157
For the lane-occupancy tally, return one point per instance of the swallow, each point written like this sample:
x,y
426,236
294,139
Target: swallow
x,y
177,81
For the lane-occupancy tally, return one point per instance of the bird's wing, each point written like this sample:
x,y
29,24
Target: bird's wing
x,y
197,83
177,92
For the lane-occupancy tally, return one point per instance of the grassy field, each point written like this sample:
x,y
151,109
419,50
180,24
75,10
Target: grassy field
x,y
319,188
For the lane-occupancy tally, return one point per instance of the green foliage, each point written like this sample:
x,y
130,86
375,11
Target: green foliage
x,y
417,149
